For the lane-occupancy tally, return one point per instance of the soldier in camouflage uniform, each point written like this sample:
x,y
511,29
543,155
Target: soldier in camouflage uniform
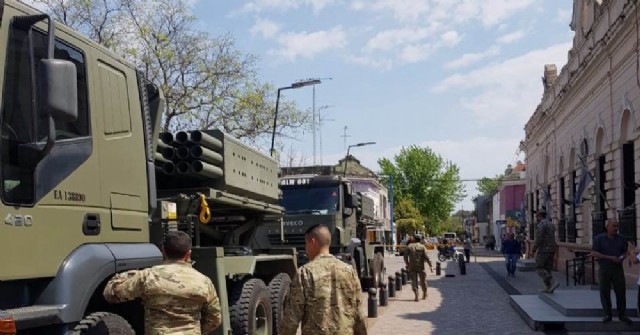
x,y
178,300
414,259
325,295
545,246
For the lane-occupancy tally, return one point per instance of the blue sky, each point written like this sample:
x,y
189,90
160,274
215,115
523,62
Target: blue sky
x,y
461,77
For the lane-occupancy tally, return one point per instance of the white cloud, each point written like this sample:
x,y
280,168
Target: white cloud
x,y
450,38
471,58
416,53
511,37
495,12
509,90
403,10
307,45
564,15
380,64
284,5
389,39
266,28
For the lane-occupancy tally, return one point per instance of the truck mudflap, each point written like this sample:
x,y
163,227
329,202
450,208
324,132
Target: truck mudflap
x,y
66,297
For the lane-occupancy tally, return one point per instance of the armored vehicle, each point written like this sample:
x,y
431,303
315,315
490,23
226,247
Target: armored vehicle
x,y
91,186
328,199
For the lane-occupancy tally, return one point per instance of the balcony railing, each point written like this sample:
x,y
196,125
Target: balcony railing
x,y
597,223
562,230
627,221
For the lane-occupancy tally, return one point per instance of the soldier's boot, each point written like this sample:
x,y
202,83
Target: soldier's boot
x,y
424,294
415,292
552,287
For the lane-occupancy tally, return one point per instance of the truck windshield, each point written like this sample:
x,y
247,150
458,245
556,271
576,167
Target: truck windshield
x,y
316,200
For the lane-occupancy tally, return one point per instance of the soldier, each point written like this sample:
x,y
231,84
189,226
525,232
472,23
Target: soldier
x,y
545,245
325,295
414,259
177,298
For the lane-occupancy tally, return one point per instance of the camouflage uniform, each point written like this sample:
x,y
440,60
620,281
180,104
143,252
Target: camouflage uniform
x,y
545,245
178,299
415,257
326,296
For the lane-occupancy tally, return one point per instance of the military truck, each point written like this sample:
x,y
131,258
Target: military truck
x,y
89,190
329,199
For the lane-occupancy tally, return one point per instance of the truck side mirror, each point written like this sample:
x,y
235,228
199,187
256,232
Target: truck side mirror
x,y
351,201
59,89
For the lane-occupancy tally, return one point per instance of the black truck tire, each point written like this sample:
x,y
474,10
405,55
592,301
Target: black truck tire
x,y
250,308
378,270
279,291
103,323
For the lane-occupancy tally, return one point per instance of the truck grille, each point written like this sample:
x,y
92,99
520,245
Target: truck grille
x,y
291,239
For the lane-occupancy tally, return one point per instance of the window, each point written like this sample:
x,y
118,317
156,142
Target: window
x,y
310,200
24,127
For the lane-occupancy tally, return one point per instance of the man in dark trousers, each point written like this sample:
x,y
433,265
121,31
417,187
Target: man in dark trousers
x,y
610,249
511,251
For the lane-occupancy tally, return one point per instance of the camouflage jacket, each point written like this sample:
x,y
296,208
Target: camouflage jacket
x,y
177,298
326,297
415,256
545,237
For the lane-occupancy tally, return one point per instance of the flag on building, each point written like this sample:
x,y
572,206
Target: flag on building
x,y
585,179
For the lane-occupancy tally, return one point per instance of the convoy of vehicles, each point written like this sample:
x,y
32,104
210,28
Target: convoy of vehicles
x,y
89,191
329,199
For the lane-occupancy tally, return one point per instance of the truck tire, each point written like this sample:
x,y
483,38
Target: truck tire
x,y
378,270
103,323
250,308
279,291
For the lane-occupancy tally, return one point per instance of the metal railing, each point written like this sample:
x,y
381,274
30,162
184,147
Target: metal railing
x,y
562,230
576,268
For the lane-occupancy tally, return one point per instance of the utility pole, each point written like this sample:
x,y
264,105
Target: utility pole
x,y
313,113
321,119
345,137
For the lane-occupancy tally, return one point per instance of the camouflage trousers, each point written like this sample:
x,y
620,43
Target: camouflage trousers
x,y
414,276
544,266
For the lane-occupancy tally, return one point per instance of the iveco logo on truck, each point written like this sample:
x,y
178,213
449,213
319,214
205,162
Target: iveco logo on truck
x,y
293,223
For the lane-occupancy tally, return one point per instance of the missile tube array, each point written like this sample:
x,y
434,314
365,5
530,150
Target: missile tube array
x,y
190,153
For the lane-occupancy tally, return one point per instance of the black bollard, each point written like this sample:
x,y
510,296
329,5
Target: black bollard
x,y
398,281
373,304
438,268
392,287
462,265
405,277
384,296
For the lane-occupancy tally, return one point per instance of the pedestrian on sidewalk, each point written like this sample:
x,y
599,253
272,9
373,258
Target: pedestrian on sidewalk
x,y
611,249
414,259
634,258
511,251
467,248
325,294
544,248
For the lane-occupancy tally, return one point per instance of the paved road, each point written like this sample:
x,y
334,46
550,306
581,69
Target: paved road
x,y
476,303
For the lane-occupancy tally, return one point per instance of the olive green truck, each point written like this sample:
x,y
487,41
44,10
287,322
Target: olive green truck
x,y
90,186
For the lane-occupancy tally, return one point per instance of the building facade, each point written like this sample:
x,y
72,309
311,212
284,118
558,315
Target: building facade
x,y
580,142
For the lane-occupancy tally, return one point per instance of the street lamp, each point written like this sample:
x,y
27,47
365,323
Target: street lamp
x,y
344,174
275,118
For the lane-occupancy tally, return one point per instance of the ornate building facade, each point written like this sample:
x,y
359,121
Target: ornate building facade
x,y
581,142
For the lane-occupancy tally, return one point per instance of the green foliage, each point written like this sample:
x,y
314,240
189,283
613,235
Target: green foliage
x,y
407,217
426,179
207,82
490,186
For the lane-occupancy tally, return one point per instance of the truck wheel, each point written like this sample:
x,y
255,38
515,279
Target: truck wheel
x,y
251,308
103,323
378,270
279,290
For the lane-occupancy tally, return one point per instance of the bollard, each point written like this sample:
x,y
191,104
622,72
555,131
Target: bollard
x,y
438,268
392,287
398,281
384,296
405,277
462,265
373,305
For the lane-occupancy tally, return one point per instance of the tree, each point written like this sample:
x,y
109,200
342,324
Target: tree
x,y
490,186
206,81
407,217
424,177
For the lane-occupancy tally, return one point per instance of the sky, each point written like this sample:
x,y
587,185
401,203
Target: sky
x,y
461,77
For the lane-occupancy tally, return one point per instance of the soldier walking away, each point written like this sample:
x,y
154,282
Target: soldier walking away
x,y
414,259
177,298
545,246
325,294
611,249
467,248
